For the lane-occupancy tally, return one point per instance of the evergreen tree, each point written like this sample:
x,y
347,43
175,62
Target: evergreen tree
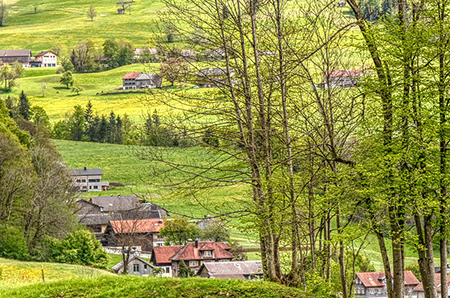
x,y
112,128
76,124
119,136
90,128
103,129
184,271
24,106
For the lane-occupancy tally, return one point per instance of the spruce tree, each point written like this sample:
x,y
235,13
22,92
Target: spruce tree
x,y
24,106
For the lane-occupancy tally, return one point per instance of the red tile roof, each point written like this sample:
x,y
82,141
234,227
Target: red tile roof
x,y
190,252
137,226
162,254
376,279
131,75
437,282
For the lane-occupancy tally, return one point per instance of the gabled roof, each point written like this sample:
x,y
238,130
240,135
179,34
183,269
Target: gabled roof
x,y
437,282
147,76
94,219
45,52
152,51
190,252
237,269
116,203
377,279
208,72
119,265
346,73
131,75
86,172
15,53
137,226
162,254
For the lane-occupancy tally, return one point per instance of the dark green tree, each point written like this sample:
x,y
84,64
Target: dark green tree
x,y
24,106
184,271
67,79
77,124
179,231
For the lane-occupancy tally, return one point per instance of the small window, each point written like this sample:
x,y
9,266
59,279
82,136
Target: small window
x,y
95,186
135,267
167,269
145,266
192,263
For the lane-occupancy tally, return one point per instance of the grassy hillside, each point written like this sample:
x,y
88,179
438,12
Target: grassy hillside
x,y
65,23
15,273
129,287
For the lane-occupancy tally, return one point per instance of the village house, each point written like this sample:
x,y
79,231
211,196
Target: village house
x,y
247,270
11,56
138,80
216,54
194,254
143,232
373,284
342,78
418,291
212,77
88,180
160,258
45,59
139,53
188,55
136,266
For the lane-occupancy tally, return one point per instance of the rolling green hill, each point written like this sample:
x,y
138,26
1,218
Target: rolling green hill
x,y
129,287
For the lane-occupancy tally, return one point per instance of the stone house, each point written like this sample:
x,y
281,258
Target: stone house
x,y
136,266
418,292
247,270
139,80
212,77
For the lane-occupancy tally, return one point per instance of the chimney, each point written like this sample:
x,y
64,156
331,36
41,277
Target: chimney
x,y
85,168
196,243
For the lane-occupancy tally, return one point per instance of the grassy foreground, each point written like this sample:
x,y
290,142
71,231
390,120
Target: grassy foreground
x,y
130,286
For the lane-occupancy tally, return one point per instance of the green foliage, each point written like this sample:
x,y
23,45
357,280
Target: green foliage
x,y
24,106
39,117
184,271
134,287
215,231
12,243
179,231
67,79
77,89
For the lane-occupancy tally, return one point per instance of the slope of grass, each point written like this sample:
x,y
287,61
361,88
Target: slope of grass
x,y
15,273
129,287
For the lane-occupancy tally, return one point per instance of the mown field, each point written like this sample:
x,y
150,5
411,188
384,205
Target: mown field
x,y
130,286
15,273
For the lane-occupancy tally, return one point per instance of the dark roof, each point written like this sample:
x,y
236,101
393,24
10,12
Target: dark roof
x,y
376,279
119,265
94,219
237,269
86,172
137,226
190,252
208,72
116,203
131,75
162,254
147,76
44,52
15,53
346,73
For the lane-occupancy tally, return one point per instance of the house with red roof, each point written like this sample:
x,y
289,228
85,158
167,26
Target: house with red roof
x,y
346,78
138,80
419,291
373,284
143,232
194,254
161,258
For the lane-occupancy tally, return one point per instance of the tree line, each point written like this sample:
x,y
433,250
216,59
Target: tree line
x,y
327,168
38,213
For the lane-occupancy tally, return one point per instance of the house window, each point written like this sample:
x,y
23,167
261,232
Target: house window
x,y
167,269
135,267
192,263
145,266
207,253
160,244
95,186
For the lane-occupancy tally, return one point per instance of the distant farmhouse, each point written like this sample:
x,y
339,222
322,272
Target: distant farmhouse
x,y
88,180
45,59
136,266
373,284
139,80
213,77
342,78
249,270
11,56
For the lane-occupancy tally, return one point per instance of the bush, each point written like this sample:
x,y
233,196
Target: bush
x,y
13,244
